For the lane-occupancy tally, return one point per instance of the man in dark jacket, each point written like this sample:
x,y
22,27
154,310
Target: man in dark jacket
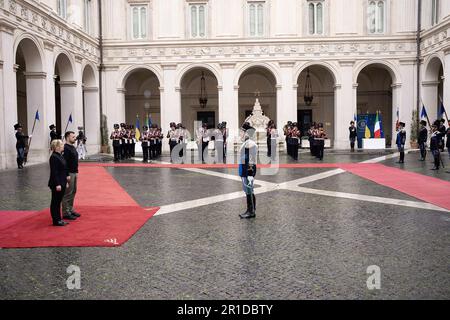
x,y
352,135
400,142
423,137
21,144
71,157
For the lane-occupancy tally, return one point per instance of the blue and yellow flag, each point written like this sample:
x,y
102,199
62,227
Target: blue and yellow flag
x,y
138,128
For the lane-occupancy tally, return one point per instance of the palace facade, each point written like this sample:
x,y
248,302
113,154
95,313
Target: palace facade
x,y
358,56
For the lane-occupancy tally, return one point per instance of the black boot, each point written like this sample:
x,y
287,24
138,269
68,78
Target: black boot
x,y
246,213
19,163
250,213
254,202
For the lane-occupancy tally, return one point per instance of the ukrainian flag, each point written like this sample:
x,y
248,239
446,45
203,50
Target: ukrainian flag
x,y
368,134
138,128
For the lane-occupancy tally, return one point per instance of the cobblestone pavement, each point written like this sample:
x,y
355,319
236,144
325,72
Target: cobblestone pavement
x,y
300,246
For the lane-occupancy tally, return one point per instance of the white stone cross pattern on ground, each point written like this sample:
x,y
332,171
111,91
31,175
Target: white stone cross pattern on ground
x,y
293,185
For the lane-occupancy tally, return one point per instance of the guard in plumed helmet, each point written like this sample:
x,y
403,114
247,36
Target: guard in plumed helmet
x,y
400,141
53,134
116,137
144,143
172,138
247,168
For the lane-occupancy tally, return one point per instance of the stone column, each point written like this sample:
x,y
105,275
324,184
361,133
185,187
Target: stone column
x,y
170,100
8,96
286,96
68,92
228,101
446,77
407,95
92,119
344,104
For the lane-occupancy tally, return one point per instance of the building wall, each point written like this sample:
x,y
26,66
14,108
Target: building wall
x,y
285,51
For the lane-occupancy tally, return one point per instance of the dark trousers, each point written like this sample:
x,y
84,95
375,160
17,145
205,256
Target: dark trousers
x,y
172,144
320,149
437,158
145,151
204,146
294,149
352,144
20,156
55,204
269,147
132,149
423,150
401,149
116,148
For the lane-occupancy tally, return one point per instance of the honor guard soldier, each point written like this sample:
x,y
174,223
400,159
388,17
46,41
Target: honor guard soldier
x,y
435,141
225,139
116,137
273,141
218,143
123,147
160,136
205,140
179,134
247,169
352,135
400,141
172,138
153,138
53,134
268,129
311,134
294,135
422,140
286,130
21,144
144,143
442,130
320,141
132,141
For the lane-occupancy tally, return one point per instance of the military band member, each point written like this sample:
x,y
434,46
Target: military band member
x,y
442,131
218,143
435,141
422,140
205,140
286,130
268,134
154,137
400,141
172,138
123,145
319,138
180,134
273,141
132,141
294,136
144,143
21,144
247,169
225,139
311,133
116,137
352,135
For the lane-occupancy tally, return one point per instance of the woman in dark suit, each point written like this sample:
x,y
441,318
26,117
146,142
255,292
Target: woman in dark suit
x,y
58,181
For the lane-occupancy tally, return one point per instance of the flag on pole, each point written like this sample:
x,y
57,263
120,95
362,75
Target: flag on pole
x,y
442,110
138,128
377,130
367,134
36,117
423,114
355,118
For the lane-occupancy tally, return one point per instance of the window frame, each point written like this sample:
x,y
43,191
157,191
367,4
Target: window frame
x,y
197,4
315,3
376,17
265,20
62,9
140,6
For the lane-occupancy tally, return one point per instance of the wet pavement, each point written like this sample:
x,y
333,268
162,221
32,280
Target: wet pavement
x,y
300,246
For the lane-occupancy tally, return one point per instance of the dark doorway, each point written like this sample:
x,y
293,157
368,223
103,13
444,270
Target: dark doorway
x,y
304,120
208,117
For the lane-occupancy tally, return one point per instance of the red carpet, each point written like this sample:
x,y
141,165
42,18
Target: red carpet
x,y
109,217
211,166
429,189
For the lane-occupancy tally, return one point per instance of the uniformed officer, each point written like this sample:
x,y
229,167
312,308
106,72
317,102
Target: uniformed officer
x,y
21,144
268,136
159,141
53,134
286,131
132,141
311,134
154,136
247,169
353,134
225,139
179,134
123,144
422,140
442,130
116,137
435,141
144,143
400,141
205,140
294,135
319,138
172,138
218,143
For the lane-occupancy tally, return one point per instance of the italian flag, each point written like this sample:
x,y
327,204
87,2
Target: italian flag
x,y
377,130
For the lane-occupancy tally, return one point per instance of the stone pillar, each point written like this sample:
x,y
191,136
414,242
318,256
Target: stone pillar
x,y
228,104
68,92
8,96
396,105
407,95
170,100
78,94
48,109
446,77
92,119
286,96
344,104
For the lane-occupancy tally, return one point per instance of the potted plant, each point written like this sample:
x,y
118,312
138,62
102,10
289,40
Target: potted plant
x,y
414,130
105,148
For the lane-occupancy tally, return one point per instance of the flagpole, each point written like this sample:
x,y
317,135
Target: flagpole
x,y
426,113
445,111
29,142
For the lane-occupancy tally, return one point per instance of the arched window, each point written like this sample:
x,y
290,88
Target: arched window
x,y
315,14
139,22
198,14
376,16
